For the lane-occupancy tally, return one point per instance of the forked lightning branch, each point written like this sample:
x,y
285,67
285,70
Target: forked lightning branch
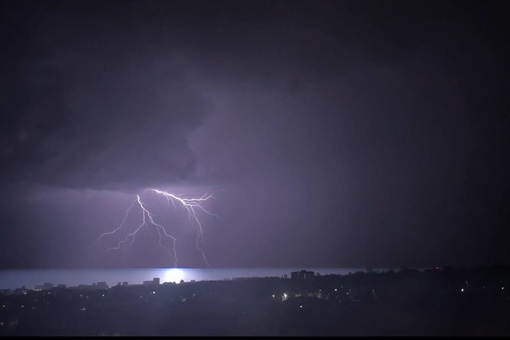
x,y
193,207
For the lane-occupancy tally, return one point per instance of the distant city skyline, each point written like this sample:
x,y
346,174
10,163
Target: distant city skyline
x,y
32,278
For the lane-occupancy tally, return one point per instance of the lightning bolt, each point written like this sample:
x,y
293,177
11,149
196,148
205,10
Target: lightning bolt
x,y
192,206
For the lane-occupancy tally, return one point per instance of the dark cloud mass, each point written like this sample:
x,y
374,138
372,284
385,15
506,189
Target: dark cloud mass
x,y
100,116
333,133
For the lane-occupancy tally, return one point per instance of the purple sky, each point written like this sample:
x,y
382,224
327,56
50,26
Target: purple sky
x,y
331,133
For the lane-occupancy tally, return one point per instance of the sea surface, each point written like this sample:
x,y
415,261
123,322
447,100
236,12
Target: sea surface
x,y
29,278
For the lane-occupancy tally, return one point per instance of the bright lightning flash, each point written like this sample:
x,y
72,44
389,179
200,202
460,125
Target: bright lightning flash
x,y
192,206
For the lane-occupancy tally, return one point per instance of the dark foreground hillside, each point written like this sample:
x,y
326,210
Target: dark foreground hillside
x,y
432,302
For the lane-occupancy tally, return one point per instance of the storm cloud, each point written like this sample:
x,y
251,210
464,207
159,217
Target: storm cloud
x,y
345,133
95,116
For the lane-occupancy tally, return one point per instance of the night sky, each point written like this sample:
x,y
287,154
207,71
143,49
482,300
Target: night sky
x,y
331,133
